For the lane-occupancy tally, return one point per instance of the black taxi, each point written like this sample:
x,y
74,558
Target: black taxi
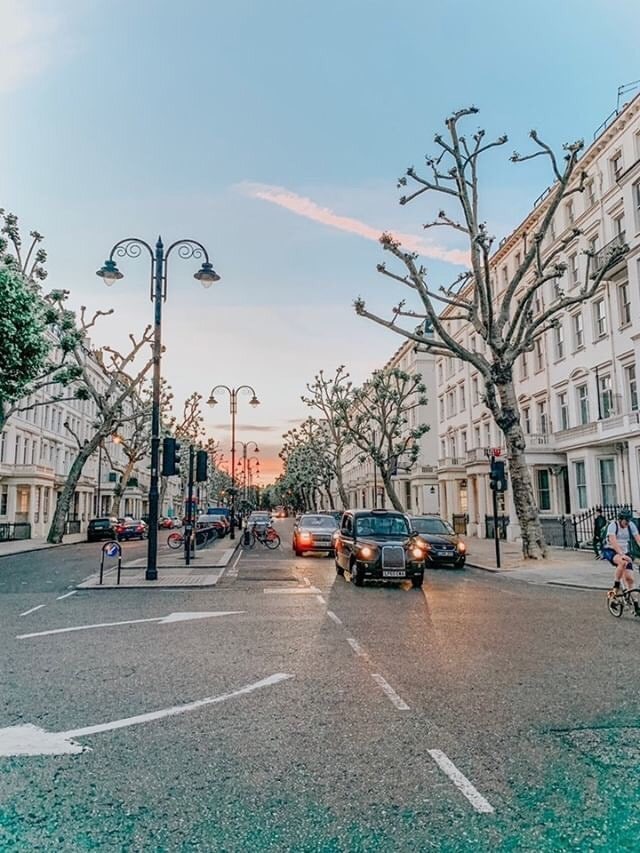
x,y
375,544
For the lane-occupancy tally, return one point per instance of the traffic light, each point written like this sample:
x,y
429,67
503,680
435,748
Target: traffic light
x,y
170,457
497,476
201,466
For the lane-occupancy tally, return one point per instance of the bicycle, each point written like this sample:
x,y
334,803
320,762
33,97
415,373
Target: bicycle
x,y
618,602
176,540
267,537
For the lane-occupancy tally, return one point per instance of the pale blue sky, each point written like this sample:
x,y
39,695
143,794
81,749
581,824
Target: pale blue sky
x,y
192,118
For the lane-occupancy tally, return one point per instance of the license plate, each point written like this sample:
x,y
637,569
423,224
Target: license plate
x,y
393,573
444,553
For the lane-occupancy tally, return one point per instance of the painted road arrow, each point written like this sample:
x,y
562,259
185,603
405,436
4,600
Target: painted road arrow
x,y
162,620
32,740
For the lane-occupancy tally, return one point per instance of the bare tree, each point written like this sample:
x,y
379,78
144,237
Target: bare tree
x,y
508,324
330,395
118,381
377,423
309,464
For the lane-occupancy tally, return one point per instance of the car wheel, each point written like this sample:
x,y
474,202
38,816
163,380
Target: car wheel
x,y
357,574
417,580
459,564
299,553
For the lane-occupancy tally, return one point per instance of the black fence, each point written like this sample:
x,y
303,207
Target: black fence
x,y
559,531
19,530
584,525
489,528
72,526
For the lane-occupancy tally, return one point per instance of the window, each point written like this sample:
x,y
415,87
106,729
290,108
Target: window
x,y
558,340
518,260
440,373
539,354
592,244
524,365
4,499
570,213
3,446
463,397
476,437
487,434
636,204
543,418
563,410
25,452
591,192
616,165
451,403
505,277
443,448
608,489
578,331
475,391
624,303
580,477
441,408
618,226
463,440
606,396
582,393
600,318
526,420
572,269
631,386
544,489
407,494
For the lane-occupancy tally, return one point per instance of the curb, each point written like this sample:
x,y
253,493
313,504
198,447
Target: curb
x,y
46,547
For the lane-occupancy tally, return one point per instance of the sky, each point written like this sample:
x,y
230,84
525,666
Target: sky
x,y
274,131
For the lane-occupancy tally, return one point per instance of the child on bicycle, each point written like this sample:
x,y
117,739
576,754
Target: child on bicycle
x,y
617,551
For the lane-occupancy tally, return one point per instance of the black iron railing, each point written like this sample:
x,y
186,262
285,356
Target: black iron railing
x,y
489,527
584,524
19,530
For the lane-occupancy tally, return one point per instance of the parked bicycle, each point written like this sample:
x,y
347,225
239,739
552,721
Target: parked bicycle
x,y
267,537
176,540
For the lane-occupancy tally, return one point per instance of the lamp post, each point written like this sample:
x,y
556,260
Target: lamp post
x,y
133,247
233,406
249,474
245,448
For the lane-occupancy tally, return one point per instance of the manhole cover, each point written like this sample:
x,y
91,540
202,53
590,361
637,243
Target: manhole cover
x,y
610,747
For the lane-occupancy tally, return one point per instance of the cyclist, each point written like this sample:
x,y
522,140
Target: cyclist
x,y
617,551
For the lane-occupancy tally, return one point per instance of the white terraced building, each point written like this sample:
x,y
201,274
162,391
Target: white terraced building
x,y
417,489
578,391
36,453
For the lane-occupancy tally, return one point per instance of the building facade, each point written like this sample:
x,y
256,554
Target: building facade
x,y
578,389
417,489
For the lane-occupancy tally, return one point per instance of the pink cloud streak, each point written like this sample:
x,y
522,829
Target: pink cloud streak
x,y
302,206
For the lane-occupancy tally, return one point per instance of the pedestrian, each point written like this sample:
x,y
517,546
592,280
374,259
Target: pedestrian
x,y
599,526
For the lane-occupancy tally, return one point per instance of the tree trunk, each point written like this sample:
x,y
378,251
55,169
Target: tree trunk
x,y
327,489
393,497
65,497
534,546
341,489
116,505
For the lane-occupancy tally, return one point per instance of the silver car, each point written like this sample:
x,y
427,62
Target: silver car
x,y
314,533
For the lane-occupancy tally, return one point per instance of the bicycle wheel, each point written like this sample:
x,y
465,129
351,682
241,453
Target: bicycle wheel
x,y
615,604
272,541
174,540
247,540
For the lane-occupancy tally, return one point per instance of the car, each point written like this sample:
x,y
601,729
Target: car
x,y
375,544
166,523
314,532
101,528
446,548
131,528
259,519
220,525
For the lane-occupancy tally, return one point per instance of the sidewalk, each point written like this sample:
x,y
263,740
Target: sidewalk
x,y
21,546
205,570
564,567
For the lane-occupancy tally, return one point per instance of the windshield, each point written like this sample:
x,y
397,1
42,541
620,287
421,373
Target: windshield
x,y
431,525
382,525
318,521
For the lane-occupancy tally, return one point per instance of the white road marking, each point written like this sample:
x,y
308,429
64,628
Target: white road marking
x,y
321,599
32,740
357,648
333,616
162,620
297,591
33,609
66,595
400,704
234,569
307,581
460,781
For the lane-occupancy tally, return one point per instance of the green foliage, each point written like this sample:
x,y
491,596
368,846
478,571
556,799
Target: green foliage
x,y
23,344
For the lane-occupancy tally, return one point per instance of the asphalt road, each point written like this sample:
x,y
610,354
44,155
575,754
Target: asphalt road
x,y
477,714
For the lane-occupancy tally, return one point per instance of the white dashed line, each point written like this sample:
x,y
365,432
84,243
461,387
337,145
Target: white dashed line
x,y
333,616
400,704
321,599
357,648
66,595
297,591
33,609
460,781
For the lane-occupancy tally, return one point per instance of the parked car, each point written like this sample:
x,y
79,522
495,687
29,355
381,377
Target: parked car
x,y
446,548
101,528
374,544
166,523
261,520
131,529
219,524
314,532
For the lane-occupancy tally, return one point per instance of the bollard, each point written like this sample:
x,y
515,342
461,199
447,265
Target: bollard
x,y
111,549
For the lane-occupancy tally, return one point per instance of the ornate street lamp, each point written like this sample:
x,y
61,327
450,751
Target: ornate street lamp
x,y
233,405
133,247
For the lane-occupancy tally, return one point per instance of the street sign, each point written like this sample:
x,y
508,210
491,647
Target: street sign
x,y
112,549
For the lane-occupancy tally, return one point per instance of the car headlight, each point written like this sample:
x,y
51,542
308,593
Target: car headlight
x,y
418,553
461,547
366,552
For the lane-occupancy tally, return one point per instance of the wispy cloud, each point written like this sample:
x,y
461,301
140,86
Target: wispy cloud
x,y
28,37
250,427
303,206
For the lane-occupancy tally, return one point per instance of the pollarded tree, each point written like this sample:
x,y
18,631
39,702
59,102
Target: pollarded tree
x,y
309,464
377,423
508,322
329,395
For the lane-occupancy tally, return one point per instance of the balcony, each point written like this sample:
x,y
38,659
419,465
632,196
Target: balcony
x,y
537,439
450,462
27,471
612,247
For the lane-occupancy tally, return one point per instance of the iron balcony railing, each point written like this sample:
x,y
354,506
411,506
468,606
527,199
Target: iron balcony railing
x,y
607,250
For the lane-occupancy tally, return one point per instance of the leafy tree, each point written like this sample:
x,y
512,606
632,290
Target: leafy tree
x,y
331,395
508,323
309,462
377,423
